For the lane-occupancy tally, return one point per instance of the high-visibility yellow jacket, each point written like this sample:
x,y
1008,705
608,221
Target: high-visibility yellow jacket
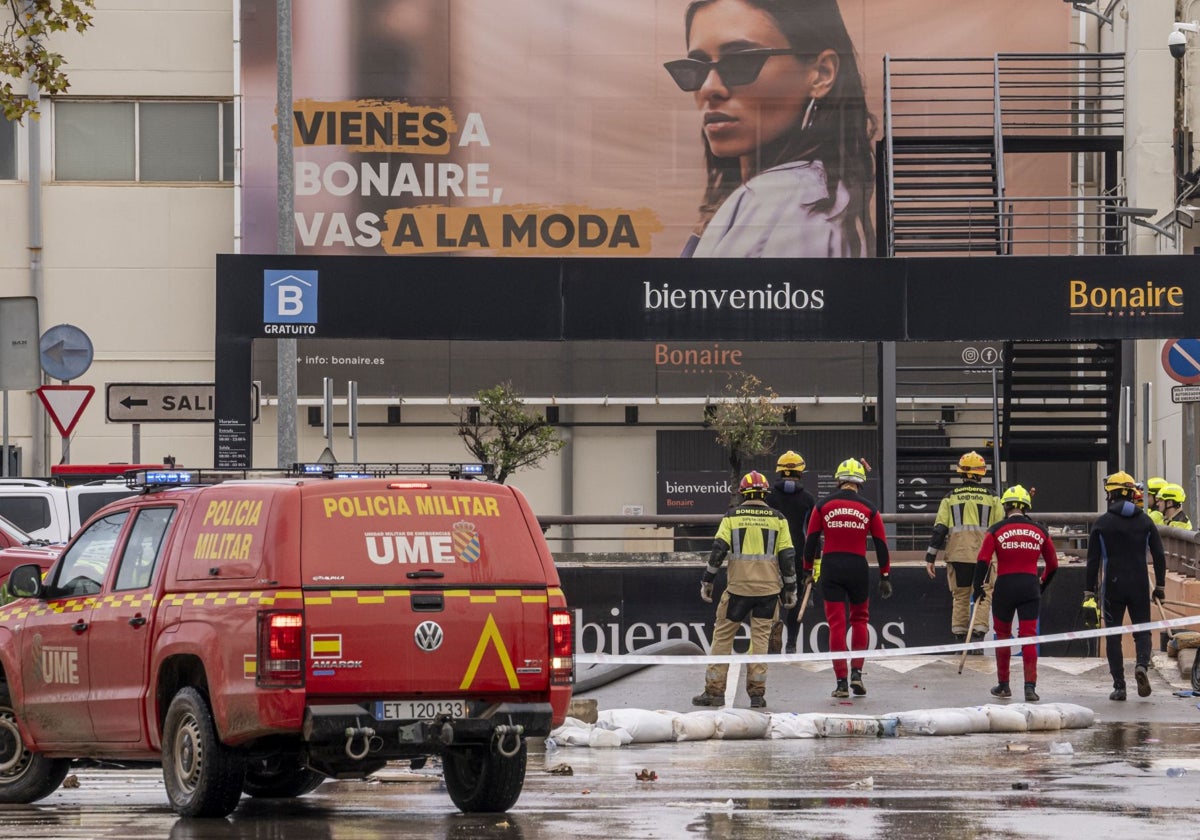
x,y
964,516
758,541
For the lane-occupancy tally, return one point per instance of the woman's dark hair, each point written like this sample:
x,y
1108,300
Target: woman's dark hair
x,y
841,129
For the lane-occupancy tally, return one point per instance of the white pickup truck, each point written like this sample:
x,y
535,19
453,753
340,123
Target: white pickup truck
x,y
53,513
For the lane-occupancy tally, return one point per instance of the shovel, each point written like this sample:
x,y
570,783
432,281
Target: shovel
x,y
970,631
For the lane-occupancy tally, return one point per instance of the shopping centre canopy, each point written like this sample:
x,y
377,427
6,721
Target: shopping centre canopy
x,y
647,299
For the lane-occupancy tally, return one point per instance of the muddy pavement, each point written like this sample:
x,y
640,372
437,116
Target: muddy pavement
x,y
1136,772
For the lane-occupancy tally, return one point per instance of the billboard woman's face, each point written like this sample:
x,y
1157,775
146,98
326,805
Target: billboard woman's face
x,y
739,118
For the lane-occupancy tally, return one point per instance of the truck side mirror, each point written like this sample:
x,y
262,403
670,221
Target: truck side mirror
x,y
26,581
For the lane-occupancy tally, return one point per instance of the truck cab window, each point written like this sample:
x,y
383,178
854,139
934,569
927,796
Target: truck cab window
x,y
85,564
141,553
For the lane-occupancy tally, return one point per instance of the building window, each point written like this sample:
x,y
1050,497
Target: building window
x,y
143,141
8,150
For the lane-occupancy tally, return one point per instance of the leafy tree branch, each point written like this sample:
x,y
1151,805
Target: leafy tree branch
x,y
505,433
24,57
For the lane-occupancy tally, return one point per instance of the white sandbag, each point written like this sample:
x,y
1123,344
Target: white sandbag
x,y
601,738
741,724
851,726
695,726
643,726
571,723
793,725
573,736
1005,719
1075,716
935,722
1040,718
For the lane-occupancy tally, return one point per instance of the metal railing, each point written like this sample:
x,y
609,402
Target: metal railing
x,y
611,537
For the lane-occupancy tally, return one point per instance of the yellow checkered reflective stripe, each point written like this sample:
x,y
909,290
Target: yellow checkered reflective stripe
x,y
24,608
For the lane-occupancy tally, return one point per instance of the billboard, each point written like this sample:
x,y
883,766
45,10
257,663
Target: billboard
x,y
576,128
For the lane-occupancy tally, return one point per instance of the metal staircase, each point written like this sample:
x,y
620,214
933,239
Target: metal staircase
x,y
945,196
1061,401
951,124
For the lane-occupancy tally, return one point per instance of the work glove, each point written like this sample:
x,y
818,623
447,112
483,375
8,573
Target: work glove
x,y
806,578
790,599
1158,594
885,587
706,592
977,593
1090,610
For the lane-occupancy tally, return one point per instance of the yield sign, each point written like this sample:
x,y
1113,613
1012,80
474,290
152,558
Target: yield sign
x,y
65,404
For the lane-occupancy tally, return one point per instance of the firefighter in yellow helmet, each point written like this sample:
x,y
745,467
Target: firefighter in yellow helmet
x,y
963,518
762,563
1116,563
1172,498
1153,506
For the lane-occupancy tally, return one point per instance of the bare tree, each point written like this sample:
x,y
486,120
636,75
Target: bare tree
x,y
24,58
505,433
745,420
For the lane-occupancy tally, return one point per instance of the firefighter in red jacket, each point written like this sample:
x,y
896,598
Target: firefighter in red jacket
x,y
1017,542
846,520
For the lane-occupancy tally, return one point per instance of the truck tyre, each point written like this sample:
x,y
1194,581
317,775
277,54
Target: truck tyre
x,y
203,776
24,776
280,777
481,780
1196,672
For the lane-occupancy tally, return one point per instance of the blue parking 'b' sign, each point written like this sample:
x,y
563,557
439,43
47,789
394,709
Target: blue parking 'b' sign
x,y
289,296
1181,360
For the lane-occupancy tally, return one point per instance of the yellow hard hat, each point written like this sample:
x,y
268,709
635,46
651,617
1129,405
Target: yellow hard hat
x,y
972,464
1016,496
850,470
1120,480
790,462
1172,493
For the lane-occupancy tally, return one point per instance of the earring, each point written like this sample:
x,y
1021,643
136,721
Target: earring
x,y
808,114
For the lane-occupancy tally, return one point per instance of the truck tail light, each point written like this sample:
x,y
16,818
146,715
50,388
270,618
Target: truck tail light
x,y
562,647
280,648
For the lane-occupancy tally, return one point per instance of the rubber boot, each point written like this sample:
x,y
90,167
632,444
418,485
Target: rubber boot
x,y
1031,695
856,683
977,636
1001,690
842,689
1141,675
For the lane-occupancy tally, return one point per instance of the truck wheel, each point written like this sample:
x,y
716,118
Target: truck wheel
x,y
203,776
24,776
1196,672
280,777
480,780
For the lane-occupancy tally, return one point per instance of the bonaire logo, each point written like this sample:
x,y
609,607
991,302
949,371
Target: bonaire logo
x,y
1124,301
289,302
467,546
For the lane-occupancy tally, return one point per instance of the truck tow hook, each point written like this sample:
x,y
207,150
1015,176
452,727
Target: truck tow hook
x,y
502,734
367,734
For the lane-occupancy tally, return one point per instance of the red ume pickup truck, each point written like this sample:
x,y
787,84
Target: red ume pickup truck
x,y
261,634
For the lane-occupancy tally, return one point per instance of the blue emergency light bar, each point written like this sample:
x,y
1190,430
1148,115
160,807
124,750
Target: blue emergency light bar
x,y
161,478
385,470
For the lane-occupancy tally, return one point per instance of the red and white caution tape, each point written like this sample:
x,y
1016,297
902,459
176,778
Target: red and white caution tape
x,y
877,653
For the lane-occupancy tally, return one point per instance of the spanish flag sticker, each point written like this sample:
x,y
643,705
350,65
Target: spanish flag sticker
x,y
326,646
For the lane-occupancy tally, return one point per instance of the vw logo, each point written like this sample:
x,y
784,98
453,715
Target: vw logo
x,y
428,636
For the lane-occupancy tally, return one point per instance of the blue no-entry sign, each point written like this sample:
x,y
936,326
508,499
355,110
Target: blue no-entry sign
x,y
1181,360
